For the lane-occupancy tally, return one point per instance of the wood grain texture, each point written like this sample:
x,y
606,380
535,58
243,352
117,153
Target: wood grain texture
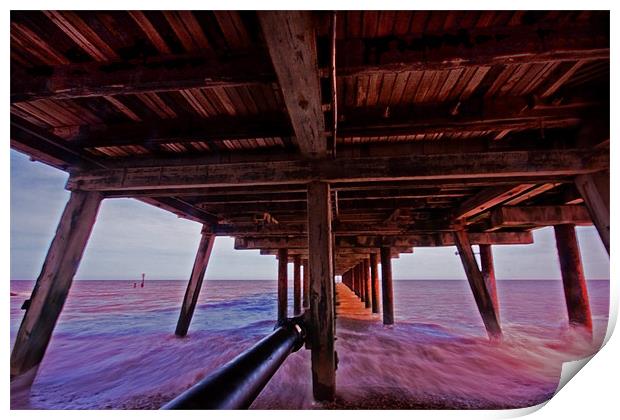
x,y
405,168
167,73
539,216
291,41
322,313
594,189
478,285
53,284
573,278
194,285
488,273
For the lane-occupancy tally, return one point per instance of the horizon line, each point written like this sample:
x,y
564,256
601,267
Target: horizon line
x,y
437,279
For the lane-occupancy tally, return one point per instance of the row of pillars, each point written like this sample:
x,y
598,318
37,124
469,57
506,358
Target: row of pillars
x,y
301,284
65,253
484,287
363,280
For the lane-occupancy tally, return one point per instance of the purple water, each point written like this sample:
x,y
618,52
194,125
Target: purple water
x,y
114,346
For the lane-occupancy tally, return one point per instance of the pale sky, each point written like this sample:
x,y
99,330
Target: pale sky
x,y
131,237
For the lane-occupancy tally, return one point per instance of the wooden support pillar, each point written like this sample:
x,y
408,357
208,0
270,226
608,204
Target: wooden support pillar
x,y
387,287
477,284
575,287
195,282
322,325
355,281
360,275
306,282
282,284
374,280
367,291
53,284
488,273
594,189
297,285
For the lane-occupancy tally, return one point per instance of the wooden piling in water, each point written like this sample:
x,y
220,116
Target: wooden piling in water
x,y
282,284
195,283
367,286
322,325
306,283
360,273
374,280
297,285
488,273
386,285
478,286
573,278
53,284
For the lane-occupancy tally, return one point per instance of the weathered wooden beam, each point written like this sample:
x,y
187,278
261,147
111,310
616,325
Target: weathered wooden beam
x,y
53,284
300,229
594,189
52,150
437,239
366,243
511,217
573,278
44,146
488,198
528,195
282,284
322,312
488,273
481,47
471,115
297,285
477,284
159,74
475,116
299,206
514,164
340,253
152,134
182,208
374,280
195,282
291,41
386,286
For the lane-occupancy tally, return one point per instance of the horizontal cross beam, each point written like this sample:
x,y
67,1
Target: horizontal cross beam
x,y
175,72
511,217
513,165
513,113
482,47
406,241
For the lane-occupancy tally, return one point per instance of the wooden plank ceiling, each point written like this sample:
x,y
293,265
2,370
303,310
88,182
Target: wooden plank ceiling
x,y
114,89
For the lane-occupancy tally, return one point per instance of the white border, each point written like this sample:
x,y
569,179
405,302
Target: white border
x,y
592,395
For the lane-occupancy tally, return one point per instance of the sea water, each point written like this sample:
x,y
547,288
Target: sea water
x,y
114,345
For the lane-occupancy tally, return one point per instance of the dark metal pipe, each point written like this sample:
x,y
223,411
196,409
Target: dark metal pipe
x,y
236,384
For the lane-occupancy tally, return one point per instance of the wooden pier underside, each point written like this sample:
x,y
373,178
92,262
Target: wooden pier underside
x,y
415,129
